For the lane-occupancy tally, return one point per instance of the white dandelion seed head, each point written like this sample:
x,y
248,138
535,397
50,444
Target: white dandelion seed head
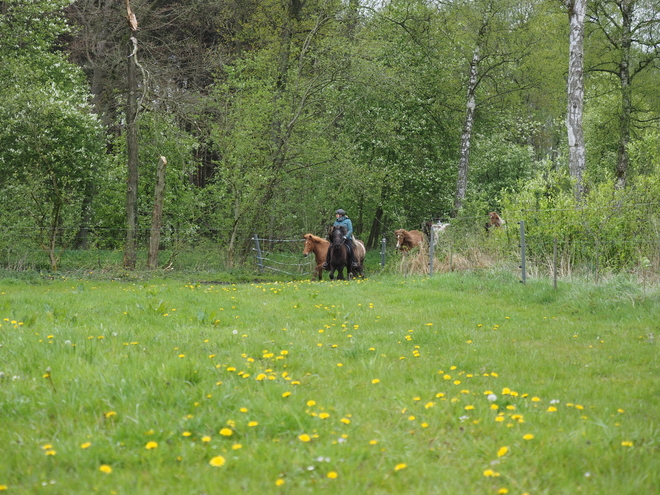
x,y
235,332
492,397
554,401
463,418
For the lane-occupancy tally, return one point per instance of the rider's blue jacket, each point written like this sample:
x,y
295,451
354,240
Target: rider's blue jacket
x,y
346,222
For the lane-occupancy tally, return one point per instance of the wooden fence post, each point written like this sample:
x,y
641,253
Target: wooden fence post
x,y
522,252
259,260
157,215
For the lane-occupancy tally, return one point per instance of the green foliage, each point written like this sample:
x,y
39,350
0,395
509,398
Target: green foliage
x,y
611,229
50,141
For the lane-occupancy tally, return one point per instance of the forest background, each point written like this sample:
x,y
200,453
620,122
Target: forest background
x,y
273,113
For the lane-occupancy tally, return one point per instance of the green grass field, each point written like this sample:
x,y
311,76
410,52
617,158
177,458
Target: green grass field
x,y
456,384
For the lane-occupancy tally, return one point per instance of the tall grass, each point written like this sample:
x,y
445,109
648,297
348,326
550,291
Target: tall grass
x,y
460,383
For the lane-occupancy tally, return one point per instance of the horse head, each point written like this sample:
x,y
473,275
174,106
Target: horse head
x,y
337,235
309,245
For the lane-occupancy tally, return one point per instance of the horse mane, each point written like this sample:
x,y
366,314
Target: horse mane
x,y
316,238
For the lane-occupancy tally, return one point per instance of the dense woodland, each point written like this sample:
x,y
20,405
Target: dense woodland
x,y
273,113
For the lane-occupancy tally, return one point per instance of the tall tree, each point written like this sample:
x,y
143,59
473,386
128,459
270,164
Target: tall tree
x,y
575,87
130,248
629,33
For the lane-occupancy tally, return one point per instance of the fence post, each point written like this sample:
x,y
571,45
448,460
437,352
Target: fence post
x,y
431,246
554,264
522,251
451,255
259,260
383,245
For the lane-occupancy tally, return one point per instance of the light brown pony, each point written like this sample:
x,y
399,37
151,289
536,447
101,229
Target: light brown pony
x,y
319,247
494,220
406,240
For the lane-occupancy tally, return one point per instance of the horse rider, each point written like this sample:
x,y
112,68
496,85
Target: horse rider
x,y
343,220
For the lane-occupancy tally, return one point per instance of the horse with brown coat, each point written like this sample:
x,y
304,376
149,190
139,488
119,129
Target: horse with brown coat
x,y
406,240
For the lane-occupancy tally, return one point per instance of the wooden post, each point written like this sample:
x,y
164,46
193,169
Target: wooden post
x,y
383,245
431,246
260,261
522,252
554,264
157,215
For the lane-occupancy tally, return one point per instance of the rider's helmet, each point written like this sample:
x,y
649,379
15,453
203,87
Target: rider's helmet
x,y
340,212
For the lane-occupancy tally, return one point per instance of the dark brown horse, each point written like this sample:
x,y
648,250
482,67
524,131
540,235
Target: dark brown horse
x,y
339,257
319,247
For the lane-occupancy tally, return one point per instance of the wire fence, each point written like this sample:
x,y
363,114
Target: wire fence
x,y
557,242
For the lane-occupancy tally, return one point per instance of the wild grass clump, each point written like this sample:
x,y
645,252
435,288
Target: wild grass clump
x,y
460,383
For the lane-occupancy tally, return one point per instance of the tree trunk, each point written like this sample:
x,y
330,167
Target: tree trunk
x,y
130,249
466,136
157,215
575,87
626,94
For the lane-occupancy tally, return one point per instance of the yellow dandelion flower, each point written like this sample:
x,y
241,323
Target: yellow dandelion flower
x,y
217,461
206,438
332,475
375,380
626,443
311,403
226,432
3,487
304,437
552,409
253,423
502,451
285,394
279,482
236,446
429,405
400,466
535,399
469,408
499,418
104,468
503,491
110,414
85,445
151,445
324,415
346,421
50,452
528,436
373,442
186,434
494,407
490,472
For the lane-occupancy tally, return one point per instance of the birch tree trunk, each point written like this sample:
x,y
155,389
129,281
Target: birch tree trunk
x,y
466,136
575,87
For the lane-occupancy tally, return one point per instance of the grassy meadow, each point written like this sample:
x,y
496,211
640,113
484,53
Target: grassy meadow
x,y
455,384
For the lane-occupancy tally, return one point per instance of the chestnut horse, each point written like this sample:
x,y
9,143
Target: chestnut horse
x,y
406,240
319,247
494,221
